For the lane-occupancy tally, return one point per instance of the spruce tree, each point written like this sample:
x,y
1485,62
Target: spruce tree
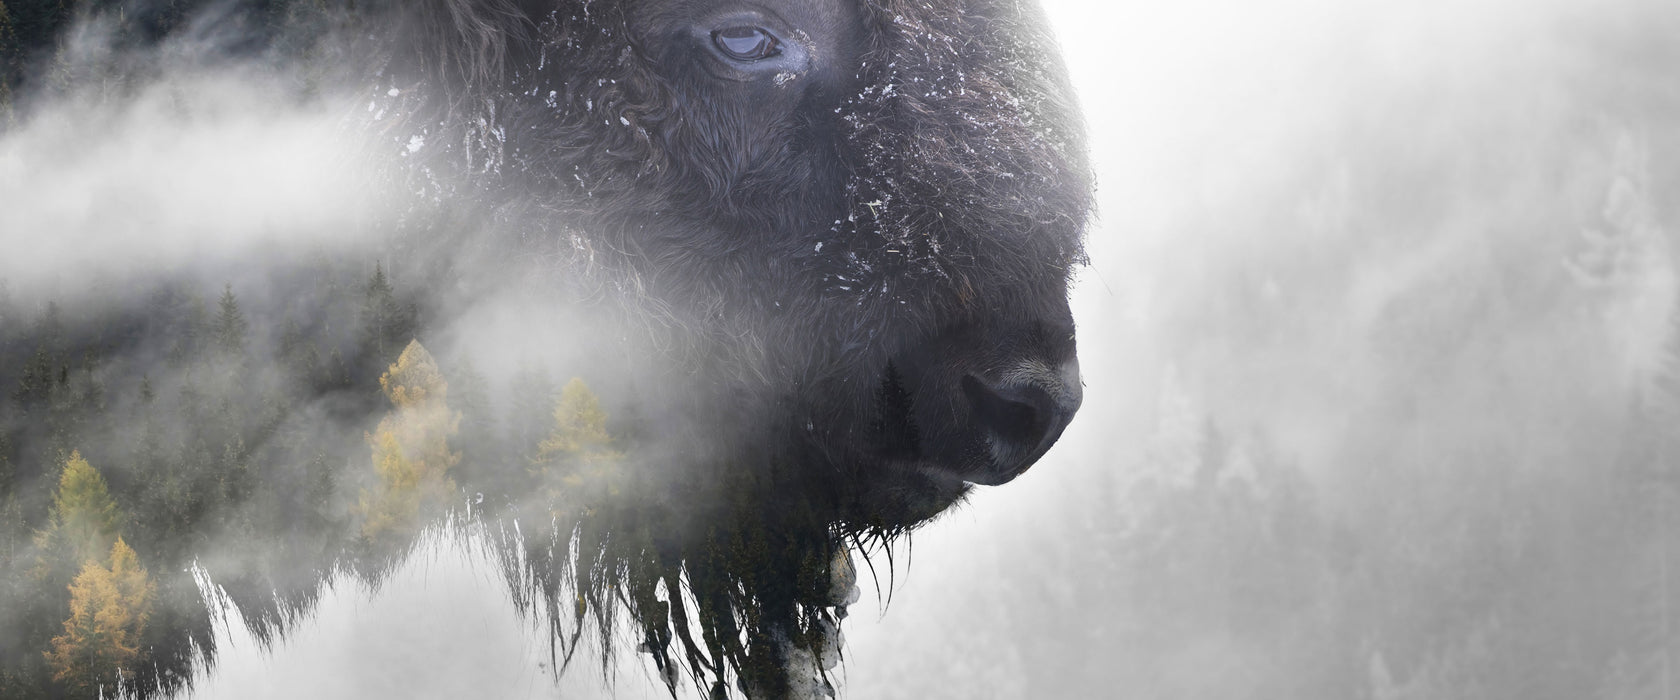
x,y
231,326
386,327
47,364
11,511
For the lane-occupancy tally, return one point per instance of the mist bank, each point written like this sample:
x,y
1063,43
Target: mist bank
x,y
194,168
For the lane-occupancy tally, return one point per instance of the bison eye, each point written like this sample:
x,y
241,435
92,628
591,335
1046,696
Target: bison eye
x,y
746,43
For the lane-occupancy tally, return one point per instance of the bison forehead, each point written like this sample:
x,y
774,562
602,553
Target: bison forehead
x,y
964,148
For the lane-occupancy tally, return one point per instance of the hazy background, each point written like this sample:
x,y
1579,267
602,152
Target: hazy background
x,y
1377,339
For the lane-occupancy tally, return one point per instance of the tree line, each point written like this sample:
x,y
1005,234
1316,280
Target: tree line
x,y
142,448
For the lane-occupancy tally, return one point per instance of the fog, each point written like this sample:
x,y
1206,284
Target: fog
x,y
1377,339
1416,253
193,166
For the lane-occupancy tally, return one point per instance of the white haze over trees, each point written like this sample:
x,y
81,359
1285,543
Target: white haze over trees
x,y
1378,339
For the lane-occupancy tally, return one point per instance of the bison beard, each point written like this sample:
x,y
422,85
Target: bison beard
x,y
838,244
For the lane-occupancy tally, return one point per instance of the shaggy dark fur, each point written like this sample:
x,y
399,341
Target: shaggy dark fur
x,y
834,280
829,252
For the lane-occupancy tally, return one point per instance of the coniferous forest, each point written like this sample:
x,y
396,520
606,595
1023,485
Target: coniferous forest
x,y
141,507
134,478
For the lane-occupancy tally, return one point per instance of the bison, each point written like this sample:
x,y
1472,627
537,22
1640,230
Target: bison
x,y
819,250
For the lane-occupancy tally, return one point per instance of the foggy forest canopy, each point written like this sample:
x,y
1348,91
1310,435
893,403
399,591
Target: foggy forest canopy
x,y
1379,335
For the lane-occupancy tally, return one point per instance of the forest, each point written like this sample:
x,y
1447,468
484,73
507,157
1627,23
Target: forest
x,y
117,486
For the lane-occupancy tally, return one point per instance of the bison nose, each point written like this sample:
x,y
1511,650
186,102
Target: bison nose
x,y
1021,413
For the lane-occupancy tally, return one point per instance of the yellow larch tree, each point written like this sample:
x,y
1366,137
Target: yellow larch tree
x,y
83,522
411,454
579,453
109,607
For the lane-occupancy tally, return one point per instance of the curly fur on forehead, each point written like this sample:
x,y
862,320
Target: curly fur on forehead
x,y
961,143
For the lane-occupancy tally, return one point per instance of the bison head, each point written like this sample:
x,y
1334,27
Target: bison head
x,y
848,228
858,217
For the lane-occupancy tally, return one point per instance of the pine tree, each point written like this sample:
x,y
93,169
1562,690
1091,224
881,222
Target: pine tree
x,y
109,607
230,325
385,325
43,368
75,402
9,320
12,528
8,64
8,473
337,371
36,24
6,36
411,454
151,512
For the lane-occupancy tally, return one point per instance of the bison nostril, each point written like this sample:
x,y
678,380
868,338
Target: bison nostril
x,y
1022,415
1015,414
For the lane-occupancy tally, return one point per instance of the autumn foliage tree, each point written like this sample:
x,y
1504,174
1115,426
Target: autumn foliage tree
x,y
109,607
579,452
83,522
202,427
411,454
